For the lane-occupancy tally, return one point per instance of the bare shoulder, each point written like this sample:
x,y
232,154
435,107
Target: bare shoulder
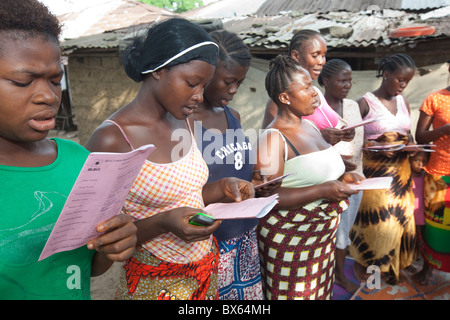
x,y
271,138
363,106
107,138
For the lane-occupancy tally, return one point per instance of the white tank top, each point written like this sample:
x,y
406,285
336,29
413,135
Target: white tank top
x,y
312,168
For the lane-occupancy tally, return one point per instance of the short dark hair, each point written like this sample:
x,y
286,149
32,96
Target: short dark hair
x,y
28,18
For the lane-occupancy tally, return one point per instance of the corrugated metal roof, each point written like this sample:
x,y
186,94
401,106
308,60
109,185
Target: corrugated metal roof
x,y
225,9
340,29
423,4
109,40
274,7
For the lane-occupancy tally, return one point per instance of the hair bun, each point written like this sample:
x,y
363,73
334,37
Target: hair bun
x,y
130,56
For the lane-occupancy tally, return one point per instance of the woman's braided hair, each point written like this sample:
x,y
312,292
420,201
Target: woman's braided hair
x,y
300,37
280,76
331,68
231,48
394,62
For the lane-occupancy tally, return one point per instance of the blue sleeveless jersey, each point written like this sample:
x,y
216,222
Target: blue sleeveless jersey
x,y
228,154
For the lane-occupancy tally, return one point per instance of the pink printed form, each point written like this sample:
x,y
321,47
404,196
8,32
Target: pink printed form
x,y
98,195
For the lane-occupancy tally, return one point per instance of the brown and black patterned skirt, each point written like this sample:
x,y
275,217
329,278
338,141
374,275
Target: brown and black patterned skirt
x,y
384,230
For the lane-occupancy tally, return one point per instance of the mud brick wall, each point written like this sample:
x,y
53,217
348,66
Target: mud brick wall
x,y
99,86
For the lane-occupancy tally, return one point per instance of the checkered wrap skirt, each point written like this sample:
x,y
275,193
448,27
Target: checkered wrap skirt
x,y
297,251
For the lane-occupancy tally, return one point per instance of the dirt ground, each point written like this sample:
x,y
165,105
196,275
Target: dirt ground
x,y
104,287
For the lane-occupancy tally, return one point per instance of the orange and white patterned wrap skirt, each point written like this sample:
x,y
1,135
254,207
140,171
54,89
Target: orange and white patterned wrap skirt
x,y
145,277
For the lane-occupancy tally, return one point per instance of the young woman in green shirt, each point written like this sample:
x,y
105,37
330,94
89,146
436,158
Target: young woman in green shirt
x,y
37,173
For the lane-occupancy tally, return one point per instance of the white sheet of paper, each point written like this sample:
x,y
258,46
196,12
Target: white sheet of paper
x,y
419,147
364,122
390,147
97,195
272,181
372,184
250,208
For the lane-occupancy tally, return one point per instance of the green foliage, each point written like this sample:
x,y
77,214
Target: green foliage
x,y
177,6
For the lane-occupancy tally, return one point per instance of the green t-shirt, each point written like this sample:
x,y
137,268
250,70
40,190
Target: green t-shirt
x,y
31,201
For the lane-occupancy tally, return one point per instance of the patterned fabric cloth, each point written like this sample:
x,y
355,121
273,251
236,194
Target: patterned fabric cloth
x,y
384,230
162,187
239,269
145,277
437,212
159,188
297,246
437,105
297,251
437,182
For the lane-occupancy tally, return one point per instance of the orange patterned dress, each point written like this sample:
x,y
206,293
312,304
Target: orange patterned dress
x,y
436,234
